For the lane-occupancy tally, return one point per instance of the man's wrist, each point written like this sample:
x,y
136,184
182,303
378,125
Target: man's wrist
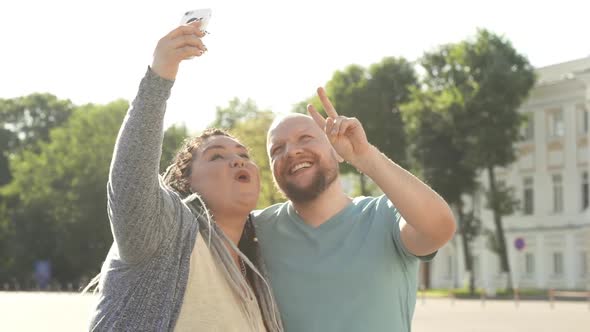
x,y
367,162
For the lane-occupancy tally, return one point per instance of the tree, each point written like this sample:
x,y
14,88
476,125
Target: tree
x,y
61,215
236,112
347,90
25,122
250,124
252,133
7,261
492,79
5,142
173,138
388,87
373,95
438,157
29,119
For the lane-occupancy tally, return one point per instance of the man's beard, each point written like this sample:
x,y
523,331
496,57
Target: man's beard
x,y
321,180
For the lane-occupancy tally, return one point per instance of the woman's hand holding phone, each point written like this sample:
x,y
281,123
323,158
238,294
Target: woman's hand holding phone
x,y
182,43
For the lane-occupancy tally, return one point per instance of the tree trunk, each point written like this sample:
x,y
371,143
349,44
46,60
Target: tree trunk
x,y
426,275
363,183
466,248
499,228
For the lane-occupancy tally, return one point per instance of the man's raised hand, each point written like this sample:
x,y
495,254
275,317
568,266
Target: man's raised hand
x,y
346,134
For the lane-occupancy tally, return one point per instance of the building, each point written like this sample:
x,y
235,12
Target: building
x,y
550,177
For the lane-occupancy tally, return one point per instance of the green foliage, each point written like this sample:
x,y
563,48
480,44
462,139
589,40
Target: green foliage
x,y
301,107
236,112
437,154
29,119
363,187
26,121
389,85
61,215
491,79
465,293
347,90
471,224
436,148
4,169
504,198
7,261
252,133
373,95
492,241
173,138
54,157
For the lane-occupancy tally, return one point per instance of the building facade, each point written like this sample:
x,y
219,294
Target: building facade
x,y
548,238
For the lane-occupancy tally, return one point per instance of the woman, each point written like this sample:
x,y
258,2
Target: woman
x,y
174,264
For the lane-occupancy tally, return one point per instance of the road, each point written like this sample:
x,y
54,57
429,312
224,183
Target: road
x,y
441,315
20,311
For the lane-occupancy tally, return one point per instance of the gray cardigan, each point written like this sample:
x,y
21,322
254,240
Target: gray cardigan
x,y
145,273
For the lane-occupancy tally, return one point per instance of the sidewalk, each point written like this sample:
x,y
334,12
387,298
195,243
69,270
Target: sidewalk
x,y
62,312
444,315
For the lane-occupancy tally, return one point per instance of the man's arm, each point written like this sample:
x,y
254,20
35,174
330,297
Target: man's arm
x,y
429,222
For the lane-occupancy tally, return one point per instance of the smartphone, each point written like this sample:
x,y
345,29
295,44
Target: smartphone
x,y
203,15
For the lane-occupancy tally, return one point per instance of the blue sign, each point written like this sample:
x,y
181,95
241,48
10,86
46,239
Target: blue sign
x,y
519,243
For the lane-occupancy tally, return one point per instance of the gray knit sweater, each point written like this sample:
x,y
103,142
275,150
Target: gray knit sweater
x,y
145,273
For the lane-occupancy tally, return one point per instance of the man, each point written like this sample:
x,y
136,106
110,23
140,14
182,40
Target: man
x,y
336,263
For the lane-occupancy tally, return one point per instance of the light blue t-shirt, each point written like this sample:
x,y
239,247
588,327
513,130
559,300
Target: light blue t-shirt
x,y
352,273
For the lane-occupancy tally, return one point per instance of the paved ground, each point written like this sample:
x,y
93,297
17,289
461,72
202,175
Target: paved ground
x,y
69,312
442,315
20,311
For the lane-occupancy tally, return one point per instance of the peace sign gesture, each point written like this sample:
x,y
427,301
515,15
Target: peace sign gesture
x,y
346,134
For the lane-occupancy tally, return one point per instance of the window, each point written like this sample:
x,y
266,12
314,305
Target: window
x,y
528,130
583,119
557,193
529,263
557,263
583,264
528,196
475,266
449,267
584,190
556,125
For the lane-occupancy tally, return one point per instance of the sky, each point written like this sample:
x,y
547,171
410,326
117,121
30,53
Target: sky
x,y
275,52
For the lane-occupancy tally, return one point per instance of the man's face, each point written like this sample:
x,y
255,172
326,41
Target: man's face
x,y
302,159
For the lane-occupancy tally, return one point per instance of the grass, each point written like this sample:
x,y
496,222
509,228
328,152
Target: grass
x,y
464,292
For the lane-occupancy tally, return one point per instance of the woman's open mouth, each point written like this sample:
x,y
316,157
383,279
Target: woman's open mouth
x,y
242,176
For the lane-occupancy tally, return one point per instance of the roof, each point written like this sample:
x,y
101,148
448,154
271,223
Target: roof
x,y
562,71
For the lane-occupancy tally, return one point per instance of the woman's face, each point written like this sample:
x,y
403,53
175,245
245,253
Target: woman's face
x,y
225,176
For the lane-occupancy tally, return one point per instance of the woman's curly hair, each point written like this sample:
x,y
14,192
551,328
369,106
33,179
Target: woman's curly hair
x,y
178,173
